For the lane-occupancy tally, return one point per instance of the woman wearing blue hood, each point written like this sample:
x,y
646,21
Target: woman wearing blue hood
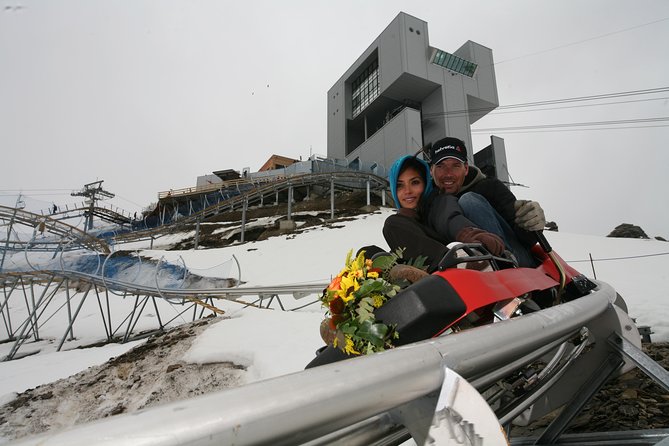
x,y
411,188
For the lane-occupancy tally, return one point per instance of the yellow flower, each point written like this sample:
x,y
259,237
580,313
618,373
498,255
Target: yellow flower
x,y
349,348
378,300
347,287
344,304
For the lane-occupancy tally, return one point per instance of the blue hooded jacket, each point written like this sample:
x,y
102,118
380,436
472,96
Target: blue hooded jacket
x,y
394,174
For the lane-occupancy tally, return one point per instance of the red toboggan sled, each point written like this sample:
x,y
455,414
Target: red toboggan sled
x,y
455,298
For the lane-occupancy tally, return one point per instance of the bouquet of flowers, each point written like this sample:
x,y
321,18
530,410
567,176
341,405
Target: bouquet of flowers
x,y
360,287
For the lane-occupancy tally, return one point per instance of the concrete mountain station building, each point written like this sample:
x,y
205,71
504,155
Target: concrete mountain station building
x,y
402,93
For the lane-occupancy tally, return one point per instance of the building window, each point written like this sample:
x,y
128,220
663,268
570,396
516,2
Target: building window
x,y
365,88
454,63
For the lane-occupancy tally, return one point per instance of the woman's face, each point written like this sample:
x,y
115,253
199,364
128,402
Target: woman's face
x,y
410,187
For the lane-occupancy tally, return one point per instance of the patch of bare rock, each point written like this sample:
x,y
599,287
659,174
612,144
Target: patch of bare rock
x,y
150,374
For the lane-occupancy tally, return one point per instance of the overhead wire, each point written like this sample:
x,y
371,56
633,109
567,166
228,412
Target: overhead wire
x,y
494,110
601,36
32,190
503,112
545,104
32,194
573,124
579,129
641,256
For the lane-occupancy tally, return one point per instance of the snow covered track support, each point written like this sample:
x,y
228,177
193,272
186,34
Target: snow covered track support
x,y
371,399
43,294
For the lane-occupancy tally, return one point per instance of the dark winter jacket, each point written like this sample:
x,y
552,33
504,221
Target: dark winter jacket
x,y
443,214
405,231
500,198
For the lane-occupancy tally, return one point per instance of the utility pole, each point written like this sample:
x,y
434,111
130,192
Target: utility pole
x,y
20,204
93,192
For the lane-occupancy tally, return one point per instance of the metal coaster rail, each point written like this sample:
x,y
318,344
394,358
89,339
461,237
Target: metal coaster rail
x,y
334,180
389,397
73,282
64,238
43,223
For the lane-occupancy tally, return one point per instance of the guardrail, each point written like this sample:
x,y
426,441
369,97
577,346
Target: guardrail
x,y
216,186
85,207
358,400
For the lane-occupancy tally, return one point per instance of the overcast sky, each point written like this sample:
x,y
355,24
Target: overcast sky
x,y
148,95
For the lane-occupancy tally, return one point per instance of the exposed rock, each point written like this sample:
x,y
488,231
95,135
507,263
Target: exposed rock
x,y
551,226
150,374
627,230
632,401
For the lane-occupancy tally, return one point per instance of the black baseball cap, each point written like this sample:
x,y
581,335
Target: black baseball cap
x,y
448,148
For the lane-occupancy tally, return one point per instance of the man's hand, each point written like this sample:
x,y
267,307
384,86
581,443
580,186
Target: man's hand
x,y
529,215
491,241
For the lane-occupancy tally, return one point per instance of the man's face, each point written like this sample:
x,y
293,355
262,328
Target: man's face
x,y
449,174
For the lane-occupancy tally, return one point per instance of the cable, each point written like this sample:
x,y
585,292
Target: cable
x,y
32,194
574,124
576,129
130,201
589,98
578,106
32,190
621,258
582,41
491,110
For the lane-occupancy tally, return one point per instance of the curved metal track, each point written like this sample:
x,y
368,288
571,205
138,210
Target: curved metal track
x,y
44,286
43,223
46,293
112,215
337,180
386,398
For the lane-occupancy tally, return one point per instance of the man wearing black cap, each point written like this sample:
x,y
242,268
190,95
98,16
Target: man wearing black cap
x,y
485,201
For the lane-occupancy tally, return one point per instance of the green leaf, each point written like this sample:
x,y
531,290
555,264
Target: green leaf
x,y
369,349
365,310
374,333
349,327
368,287
418,262
375,286
384,262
